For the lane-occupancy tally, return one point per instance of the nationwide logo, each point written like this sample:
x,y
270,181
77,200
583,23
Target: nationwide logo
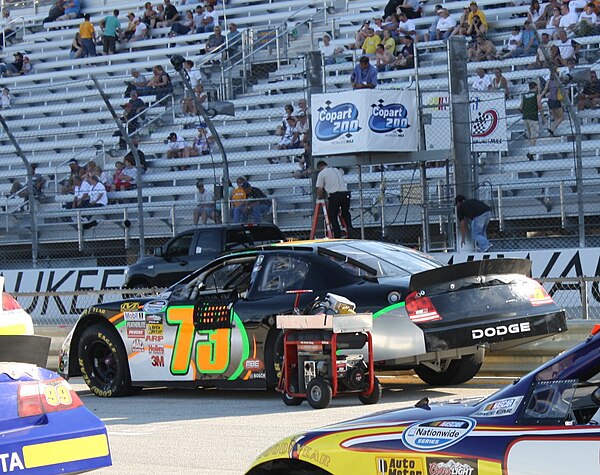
x,y
437,434
332,122
399,466
451,467
386,118
155,306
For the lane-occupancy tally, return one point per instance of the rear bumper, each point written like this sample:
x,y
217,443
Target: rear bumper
x,y
494,331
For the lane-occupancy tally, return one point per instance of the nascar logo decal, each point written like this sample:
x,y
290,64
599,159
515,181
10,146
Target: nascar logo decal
x,y
484,123
387,118
333,122
437,434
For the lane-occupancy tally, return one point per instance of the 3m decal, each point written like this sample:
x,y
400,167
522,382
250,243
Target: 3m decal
x,y
155,306
128,306
457,466
157,360
437,434
502,407
399,466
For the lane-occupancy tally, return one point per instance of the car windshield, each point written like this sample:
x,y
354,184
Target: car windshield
x,y
386,259
549,403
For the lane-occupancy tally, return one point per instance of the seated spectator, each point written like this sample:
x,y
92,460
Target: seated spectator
x,y
568,47
540,60
445,25
391,24
383,59
135,139
589,97
238,196
234,43
14,68
204,141
81,196
378,27
482,50
406,56
129,30
76,47
512,43
476,12
160,15
302,129
587,25
193,73
97,193
302,107
289,139
5,99
430,34
255,206
55,12
289,112
538,14
370,43
104,177
389,43
215,41
149,17
117,184
129,176
171,15
482,81
71,8
568,21
132,110
67,185
188,105
556,58
91,168
331,54
184,26
7,28
528,44
39,183
411,8
361,35
554,18
209,21
477,28
205,204
364,75
406,26
499,83
177,147
141,30
138,81
159,84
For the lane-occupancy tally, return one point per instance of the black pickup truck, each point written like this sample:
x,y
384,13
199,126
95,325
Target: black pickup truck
x,y
192,249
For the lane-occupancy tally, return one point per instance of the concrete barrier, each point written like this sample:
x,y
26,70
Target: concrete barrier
x,y
515,361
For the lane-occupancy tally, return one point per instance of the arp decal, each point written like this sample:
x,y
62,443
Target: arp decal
x,y
399,466
502,407
437,434
452,466
155,306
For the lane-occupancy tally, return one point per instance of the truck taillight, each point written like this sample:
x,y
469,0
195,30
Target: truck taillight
x,y
538,295
37,398
420,309
9,302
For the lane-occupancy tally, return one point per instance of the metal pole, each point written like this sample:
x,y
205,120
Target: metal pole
x,y
138,166
200,108
34,236
424,199
361,201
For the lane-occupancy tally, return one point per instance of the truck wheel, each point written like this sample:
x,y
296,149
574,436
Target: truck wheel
x,y
457,371
103,362
374,397
291,400
319,393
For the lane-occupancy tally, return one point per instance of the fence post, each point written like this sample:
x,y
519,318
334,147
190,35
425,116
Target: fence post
x,y
584,299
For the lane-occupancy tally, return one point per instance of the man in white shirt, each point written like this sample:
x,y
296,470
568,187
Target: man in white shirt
x,y
568,21
445,25
482,81
568,48
97,192
192,72
290,134
331,181
328,50
205,204
210,20
587,23
406,26
177,147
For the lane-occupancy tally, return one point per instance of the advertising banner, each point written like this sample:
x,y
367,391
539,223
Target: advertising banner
x,y
487,121
364,121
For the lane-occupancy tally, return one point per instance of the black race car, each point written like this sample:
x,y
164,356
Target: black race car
x,y
217,326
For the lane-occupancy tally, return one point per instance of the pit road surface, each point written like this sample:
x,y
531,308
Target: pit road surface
x,y
204,431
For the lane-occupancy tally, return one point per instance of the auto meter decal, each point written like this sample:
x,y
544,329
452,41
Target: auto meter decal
x,y
332,122
484,123
155,306
437,434
386,118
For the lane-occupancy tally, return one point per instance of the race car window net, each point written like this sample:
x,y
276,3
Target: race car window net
x,y
9,302
420,309
37,398
282,273
548,403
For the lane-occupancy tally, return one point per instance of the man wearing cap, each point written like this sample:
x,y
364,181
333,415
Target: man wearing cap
x,y
177,147
254,207
364,75
445,25
331,181
74,171
431,31
88,37
112,27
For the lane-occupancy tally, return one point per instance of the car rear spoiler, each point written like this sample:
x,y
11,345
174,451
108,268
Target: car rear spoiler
x,y
470,269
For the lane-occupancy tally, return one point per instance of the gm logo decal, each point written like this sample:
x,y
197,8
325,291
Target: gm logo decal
x,y
437,434
333,122
385,118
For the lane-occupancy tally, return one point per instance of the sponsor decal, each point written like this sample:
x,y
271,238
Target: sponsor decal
x,y
156,338
127,306
136,324
156,349
157,361
100,311
484,123
134,316
136,333
399,466
387,118
155,306
500,330
262,375
310,347
451,466
137,346
333,122
254,364
10,462
154,328
278,449
502,407
154,318
437,434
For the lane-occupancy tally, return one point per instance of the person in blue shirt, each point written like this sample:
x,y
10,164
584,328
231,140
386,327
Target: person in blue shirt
x,y
72,9
364,75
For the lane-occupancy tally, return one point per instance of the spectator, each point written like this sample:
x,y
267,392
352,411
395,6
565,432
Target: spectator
x,y
97,193
406,26
209,21
289,139
14,68
117,184
477,28
132,110
391,7
129,31
361,35
499,83
141,30
198,18
215,41
289,112
138,81
370,43
528,44
9,35
554,18
104,178
67,185
238,196
171,15
135,139
302,128
205,204
378,28
55,12
483,50
568,20
474,11
302,107
531,109
478,215
430,34
76,47
255,206
192,72
589,98
88,37
587,23
149,16
445,25
364,75
555,57
411,8
38,181
188,106
406,57
160,15
391,24
331,181
81,195
91,168
184,26
234,42
332,54
177,147
512,43
71,10
159,84
568,47
389,43
27,67
5,99
383,59
112,27
204,141
482,81
463,23
537,14
551,92
129,176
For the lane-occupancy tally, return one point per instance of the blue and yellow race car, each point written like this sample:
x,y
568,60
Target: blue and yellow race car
x,y
545,423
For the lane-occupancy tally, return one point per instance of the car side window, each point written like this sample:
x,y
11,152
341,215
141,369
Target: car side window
x,y
229,277
283,273
180,247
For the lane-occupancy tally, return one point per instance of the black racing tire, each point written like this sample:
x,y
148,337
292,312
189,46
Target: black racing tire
x,y
291,400
319,393
103,362
375,396
459,371
274,357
